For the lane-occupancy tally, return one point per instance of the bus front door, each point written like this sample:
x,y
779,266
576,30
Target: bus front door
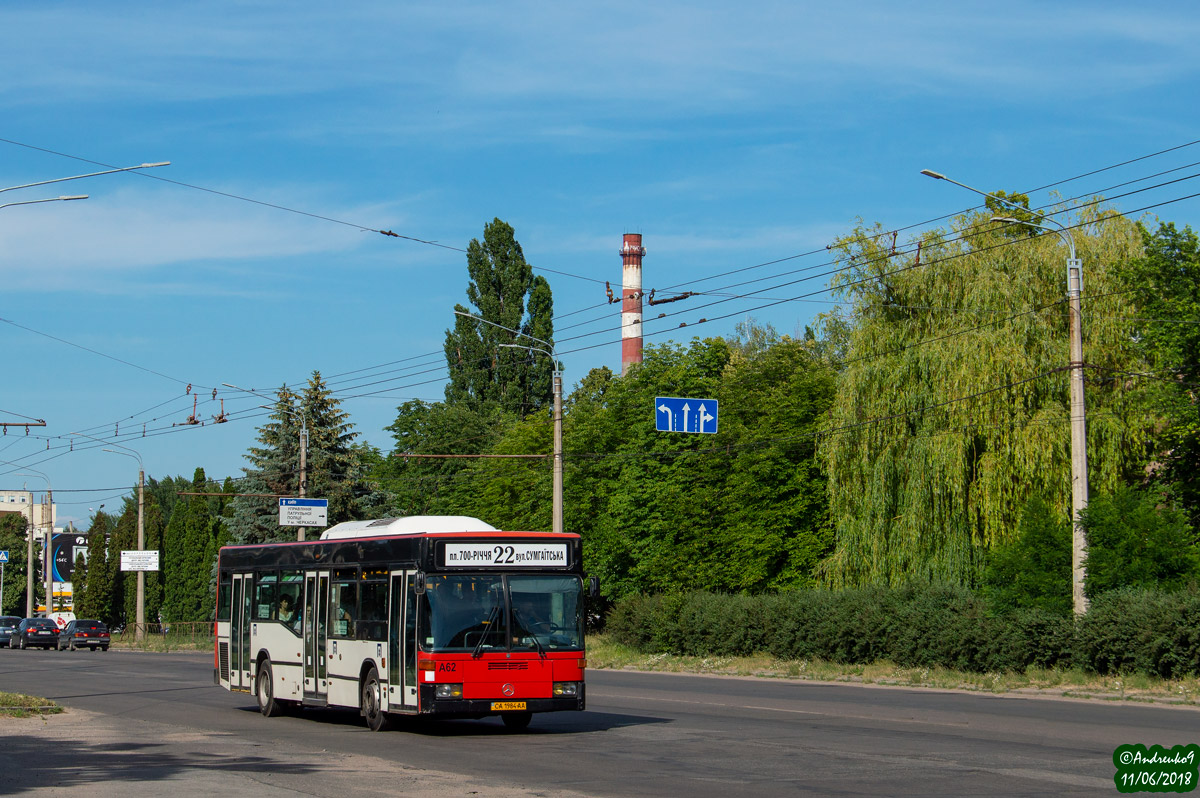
x,y
402,639
316,621
239,633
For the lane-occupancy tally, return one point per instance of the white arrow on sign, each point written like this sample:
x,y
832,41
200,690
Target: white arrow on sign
x,y
670,416
687,411
704,416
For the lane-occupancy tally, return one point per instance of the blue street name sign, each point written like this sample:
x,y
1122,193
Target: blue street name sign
x,y
303,512
675,414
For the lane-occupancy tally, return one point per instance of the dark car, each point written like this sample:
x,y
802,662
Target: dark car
x,y
8,624
32,632
84,634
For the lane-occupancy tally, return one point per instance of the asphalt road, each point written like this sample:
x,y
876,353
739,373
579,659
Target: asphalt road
x,y
150,724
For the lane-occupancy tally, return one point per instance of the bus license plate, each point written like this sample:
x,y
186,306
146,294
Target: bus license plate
x,y
501,706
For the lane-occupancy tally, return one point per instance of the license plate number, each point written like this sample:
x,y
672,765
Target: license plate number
x,y
501,706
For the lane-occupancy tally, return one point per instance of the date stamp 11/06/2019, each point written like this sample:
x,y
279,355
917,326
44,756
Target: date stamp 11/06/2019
x,y
1155,768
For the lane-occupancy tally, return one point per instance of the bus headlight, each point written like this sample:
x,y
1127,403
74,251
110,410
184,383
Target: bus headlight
x,y
449,691
566,689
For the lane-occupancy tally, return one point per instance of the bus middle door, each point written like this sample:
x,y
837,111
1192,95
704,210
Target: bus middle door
x,y
316,624
402,640
239,633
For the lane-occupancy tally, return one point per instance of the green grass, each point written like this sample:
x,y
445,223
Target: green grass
x,y
603,652
16,705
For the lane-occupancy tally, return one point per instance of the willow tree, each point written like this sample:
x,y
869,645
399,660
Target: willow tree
x,y
952,407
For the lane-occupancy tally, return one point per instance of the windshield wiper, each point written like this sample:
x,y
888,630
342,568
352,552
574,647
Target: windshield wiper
x,y
517,620
486,630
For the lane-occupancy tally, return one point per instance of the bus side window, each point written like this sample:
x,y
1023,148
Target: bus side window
x,y
224,596
265,597
344,595
372,625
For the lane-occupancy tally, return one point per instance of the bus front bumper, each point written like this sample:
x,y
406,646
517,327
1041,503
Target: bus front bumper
x,y
478,707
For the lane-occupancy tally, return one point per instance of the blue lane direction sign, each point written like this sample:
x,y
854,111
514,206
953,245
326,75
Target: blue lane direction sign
x,y
675,414
304,512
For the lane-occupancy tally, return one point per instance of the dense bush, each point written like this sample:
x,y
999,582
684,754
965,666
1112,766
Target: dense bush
x,y
1141,631
920,626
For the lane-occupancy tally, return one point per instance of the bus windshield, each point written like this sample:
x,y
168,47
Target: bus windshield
x,y
475,613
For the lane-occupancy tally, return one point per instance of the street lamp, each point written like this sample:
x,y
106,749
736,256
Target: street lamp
x,y
80,177
1079,475
300,531
557,512
36,201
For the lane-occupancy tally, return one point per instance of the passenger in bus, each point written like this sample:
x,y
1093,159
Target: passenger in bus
x,y
286,612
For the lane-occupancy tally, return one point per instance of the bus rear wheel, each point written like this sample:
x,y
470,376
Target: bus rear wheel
x,y
267,704
371,703
516,720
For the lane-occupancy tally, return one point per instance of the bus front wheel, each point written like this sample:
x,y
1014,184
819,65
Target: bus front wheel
x,y
371,704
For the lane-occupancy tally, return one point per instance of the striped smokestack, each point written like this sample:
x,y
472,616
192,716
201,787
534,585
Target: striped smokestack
x,y
631,300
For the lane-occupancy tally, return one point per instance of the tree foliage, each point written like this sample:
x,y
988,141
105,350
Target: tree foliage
x,y
1033,569
742,510
1165,283
101,576
485,372
12,539
952,406
335,469
1138,539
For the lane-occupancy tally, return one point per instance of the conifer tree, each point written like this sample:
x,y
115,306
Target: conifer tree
x,y
100,578
335,467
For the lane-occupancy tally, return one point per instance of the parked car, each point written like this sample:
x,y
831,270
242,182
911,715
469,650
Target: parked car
x,y
32,632
8,624
84,634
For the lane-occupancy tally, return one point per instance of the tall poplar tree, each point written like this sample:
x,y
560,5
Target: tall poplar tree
x,y
484,372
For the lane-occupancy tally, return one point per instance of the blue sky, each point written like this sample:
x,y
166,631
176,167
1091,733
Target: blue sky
x,y
729,135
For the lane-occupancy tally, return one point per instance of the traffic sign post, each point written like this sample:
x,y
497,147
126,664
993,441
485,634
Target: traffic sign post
x,y
304,512
3,560
675,414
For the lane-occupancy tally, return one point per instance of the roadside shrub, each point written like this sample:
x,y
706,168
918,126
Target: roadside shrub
x,y
1031,638
1132,630
1127,630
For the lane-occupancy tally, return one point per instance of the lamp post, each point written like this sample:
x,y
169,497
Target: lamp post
x,y
1079,475
140,616
300,531
47,552
556,523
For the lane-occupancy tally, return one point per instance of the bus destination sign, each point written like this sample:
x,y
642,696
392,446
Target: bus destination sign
x,y
505,555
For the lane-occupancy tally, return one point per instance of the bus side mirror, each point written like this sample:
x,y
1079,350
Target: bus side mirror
x,y
419,583
593,587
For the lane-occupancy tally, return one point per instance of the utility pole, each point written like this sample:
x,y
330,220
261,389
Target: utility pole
x,y
48,551
556,519
300,531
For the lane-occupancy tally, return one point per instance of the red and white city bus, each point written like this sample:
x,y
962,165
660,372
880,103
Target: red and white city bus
x,y
440,616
